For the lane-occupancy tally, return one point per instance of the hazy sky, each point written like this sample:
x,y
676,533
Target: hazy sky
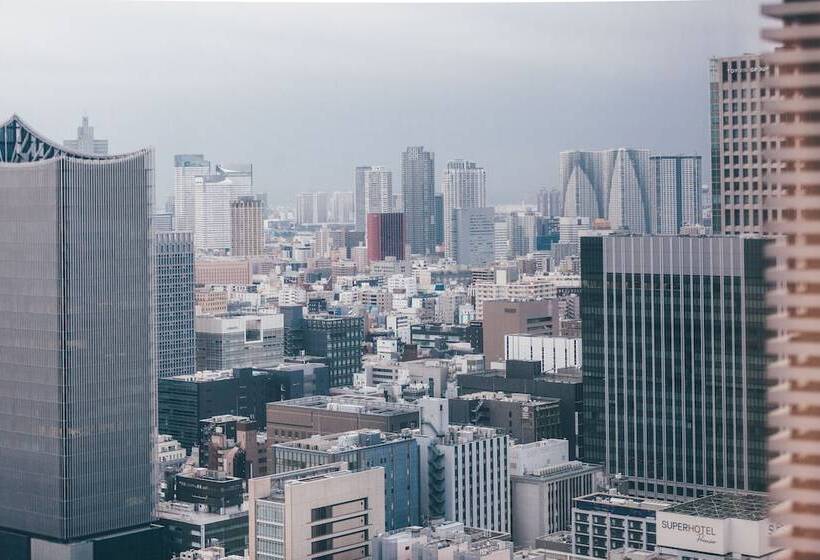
x,y
307,92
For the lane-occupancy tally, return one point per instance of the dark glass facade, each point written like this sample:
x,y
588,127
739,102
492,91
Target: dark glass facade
x,y
339,339
176,342
674,362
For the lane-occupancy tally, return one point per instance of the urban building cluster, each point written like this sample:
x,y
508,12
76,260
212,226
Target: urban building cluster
x,y
407,372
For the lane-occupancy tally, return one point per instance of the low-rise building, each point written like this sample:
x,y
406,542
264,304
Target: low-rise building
x,y
602,522
442,539
235,341
522,417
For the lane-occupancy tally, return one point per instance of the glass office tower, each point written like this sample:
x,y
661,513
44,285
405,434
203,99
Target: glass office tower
x,y
77,377
674,362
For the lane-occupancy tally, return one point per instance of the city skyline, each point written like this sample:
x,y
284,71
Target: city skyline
x,y
279,129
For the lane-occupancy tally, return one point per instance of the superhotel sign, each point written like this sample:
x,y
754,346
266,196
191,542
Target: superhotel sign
x,y
688,532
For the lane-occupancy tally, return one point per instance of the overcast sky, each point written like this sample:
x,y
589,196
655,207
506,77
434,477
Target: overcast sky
x,y
307,92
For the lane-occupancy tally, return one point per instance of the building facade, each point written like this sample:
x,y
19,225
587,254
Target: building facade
x,y
463,185
675,185
175,335
553,352
339,339
385,236
418,189
503,317
187,167
236,341
77,369
674,362
247,231
85,142
472,241
739,91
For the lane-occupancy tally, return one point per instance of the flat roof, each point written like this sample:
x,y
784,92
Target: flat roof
x,y
727,505
354,404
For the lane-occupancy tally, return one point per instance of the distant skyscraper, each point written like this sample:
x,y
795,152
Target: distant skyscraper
x,y
674,362
550,203
378,190
213,195
463,185
85,141
610,184
794,393
247,232
472,236
739,162
359,196
675,183
418,188
176,343
523,232
385,236
187,167
340,208
438,221
77,370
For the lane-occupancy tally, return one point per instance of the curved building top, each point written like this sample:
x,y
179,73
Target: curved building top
x,y
20,143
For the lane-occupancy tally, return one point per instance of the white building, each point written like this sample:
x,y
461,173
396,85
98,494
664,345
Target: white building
x,y
378,190
324,509
463,185
213,195
722,526
340,209
526,288
554,352
443,540
85,141
465,470
187,167
675,183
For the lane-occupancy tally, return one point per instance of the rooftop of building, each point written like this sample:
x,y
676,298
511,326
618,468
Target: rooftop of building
x,y
564,375
558,471
522,398
622,500
183,512
727,505
346,441
354,404
209,475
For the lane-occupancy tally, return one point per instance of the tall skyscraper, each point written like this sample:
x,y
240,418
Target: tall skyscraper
x,y
77,370
247,232
213,195
674,362
378,190
610,184
418,188
795,391
187,167
675,191
176,342
340,208
737,94
85,141
385,236
359,196
463,185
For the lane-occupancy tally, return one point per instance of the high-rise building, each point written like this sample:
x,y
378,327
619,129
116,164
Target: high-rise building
x,y
77,369
359,197
385,236
176,342
610,184
418,189
247,232
795,392
340,208
463,185
740,163
522,230
85,142
675,183
312,208
378,190
213,195
472,236
438,221
550,203
363,449
187,167
320,512
674,362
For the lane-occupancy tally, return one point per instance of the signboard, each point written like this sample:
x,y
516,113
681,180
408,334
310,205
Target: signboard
x,y
701,534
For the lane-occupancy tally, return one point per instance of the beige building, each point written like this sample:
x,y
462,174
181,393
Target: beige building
x,y
526,288
222,270
319,512
741,139
505,317
247,231
796,395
